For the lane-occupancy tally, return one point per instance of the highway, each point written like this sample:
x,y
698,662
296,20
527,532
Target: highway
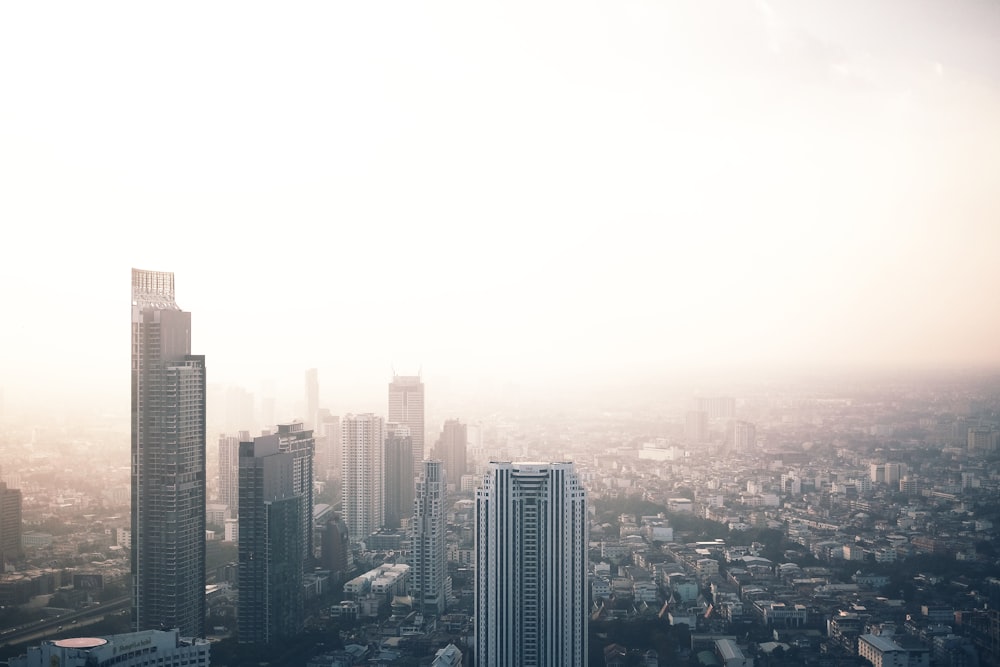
x,y
65,625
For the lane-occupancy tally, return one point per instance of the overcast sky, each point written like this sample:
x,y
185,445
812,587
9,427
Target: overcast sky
x,y
498,190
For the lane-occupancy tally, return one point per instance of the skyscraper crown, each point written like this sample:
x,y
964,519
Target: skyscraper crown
x,y
153,289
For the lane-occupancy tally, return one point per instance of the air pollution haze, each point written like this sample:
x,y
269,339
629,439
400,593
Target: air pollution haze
x,y
555,197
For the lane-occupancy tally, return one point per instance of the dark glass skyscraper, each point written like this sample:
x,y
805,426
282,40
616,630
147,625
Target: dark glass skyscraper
x,y
398,467
168,462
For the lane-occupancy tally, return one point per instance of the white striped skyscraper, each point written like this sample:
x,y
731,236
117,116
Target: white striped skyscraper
x,y
531,566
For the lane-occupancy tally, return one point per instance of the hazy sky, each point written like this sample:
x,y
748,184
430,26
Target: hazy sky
x,y
498,189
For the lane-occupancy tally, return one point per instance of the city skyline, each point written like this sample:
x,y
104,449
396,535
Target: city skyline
x,y
560,195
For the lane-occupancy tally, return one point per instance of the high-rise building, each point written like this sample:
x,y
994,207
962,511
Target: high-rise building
x,y
335,549
398,466
428,561
531,566
406,406
328,447
312,398
744,437
229,471
451,449
362,497
295,439
10,524
270,543
168,462
718,408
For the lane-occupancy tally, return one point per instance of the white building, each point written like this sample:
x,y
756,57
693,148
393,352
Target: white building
x,y
155,648
362,494
429,556
531,566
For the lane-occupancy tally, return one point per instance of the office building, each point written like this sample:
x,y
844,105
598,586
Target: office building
x,y
229,471
744,437
151,648
270,544
328,446
335,548
451,449
10,525
428,561
312,398
298,441
168,462
531,566
362,499
718,408
406,406
398,466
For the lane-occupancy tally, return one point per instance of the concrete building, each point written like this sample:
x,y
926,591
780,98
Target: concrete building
x,y
10,525
696,426
270,545
451,449
168,462
744,437
531,566
297,440
229,471
362,496
397,463
429,562
151,648
406,406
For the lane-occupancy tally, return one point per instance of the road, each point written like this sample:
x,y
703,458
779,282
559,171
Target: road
x,y
67,624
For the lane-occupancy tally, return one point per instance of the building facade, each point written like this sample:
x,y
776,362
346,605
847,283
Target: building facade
x,y
451,449
151,648
298,441
362,497
406,406
428,561
229,471
270,546
168,462
398,467
531,566
10,524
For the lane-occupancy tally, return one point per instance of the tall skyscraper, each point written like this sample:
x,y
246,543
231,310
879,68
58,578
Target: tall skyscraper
x,y
362,495
428,563
406,406
451,449
295,439
312,397
229,471
270,545
531,566
398,466
328,447
10,524
744,437
168,462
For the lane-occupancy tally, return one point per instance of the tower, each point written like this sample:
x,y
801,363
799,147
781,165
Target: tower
x,y
270,545
168,462
429,565
295,439
531,566
451,449
10,524
406,406
398,467
362,496
744,437
229,471
312,397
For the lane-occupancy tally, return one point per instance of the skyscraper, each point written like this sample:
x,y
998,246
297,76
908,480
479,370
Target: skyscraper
x,y
295,439
531,566
312,397
328,447
744,437
270,545
362,495
406,406
429,565
168,462
451,449
398,466
10,524
229,471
